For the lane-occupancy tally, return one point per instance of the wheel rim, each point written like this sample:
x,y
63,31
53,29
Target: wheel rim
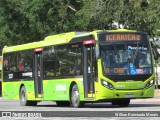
x,y
75,98
22,97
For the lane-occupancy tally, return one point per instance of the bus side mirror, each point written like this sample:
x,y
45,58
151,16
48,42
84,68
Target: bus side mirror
x,y
155,53
97,52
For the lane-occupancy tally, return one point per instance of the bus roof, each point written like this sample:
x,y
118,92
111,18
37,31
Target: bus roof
x,y
66,35
49,40
59,39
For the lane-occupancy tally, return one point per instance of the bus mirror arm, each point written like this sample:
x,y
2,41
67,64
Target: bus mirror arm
x,y
97,54
155,53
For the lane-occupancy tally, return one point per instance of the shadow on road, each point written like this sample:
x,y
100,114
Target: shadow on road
x,y
107,105
145,105
116,106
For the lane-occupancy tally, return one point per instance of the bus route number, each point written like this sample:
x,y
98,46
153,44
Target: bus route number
x,y
114,70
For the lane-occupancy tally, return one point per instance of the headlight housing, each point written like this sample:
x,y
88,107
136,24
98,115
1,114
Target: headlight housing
x,y
107,84
150,83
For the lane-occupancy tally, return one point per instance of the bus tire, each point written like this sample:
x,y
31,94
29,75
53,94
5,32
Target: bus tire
x,y
124,103
23,98
75,97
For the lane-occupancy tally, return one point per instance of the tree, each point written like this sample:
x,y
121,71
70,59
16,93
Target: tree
x,y
132,14
24,21
32,20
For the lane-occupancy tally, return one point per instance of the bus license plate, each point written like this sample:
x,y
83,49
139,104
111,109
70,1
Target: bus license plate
x,y
129,95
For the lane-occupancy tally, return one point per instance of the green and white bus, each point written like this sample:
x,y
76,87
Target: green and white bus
x,y
80,67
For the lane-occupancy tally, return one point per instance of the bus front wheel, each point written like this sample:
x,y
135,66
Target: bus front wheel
x,y
23,98
75,97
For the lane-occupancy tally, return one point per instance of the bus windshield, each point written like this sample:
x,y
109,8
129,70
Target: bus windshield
x,y
126,59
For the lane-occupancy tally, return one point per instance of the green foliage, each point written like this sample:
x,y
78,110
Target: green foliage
x,y
24,21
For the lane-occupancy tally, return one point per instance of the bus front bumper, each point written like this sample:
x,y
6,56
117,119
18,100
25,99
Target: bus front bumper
x,y
145,93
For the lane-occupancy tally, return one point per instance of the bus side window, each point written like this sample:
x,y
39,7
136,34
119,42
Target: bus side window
x,y
27,67
57,68
20,65
6,64
75,59
13,67
77,68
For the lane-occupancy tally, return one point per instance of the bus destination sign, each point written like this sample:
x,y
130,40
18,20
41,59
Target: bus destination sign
x,y
122,37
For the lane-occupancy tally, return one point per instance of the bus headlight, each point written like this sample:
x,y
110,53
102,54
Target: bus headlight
x,y
107,84
150,83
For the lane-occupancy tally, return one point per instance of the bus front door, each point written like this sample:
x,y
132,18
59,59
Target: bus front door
x,y
38,74
88,72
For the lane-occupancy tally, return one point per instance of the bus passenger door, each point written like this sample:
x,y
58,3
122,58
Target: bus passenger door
x,y
88,69
38,73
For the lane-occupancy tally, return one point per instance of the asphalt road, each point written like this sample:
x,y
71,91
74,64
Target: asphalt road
x,y
141,108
